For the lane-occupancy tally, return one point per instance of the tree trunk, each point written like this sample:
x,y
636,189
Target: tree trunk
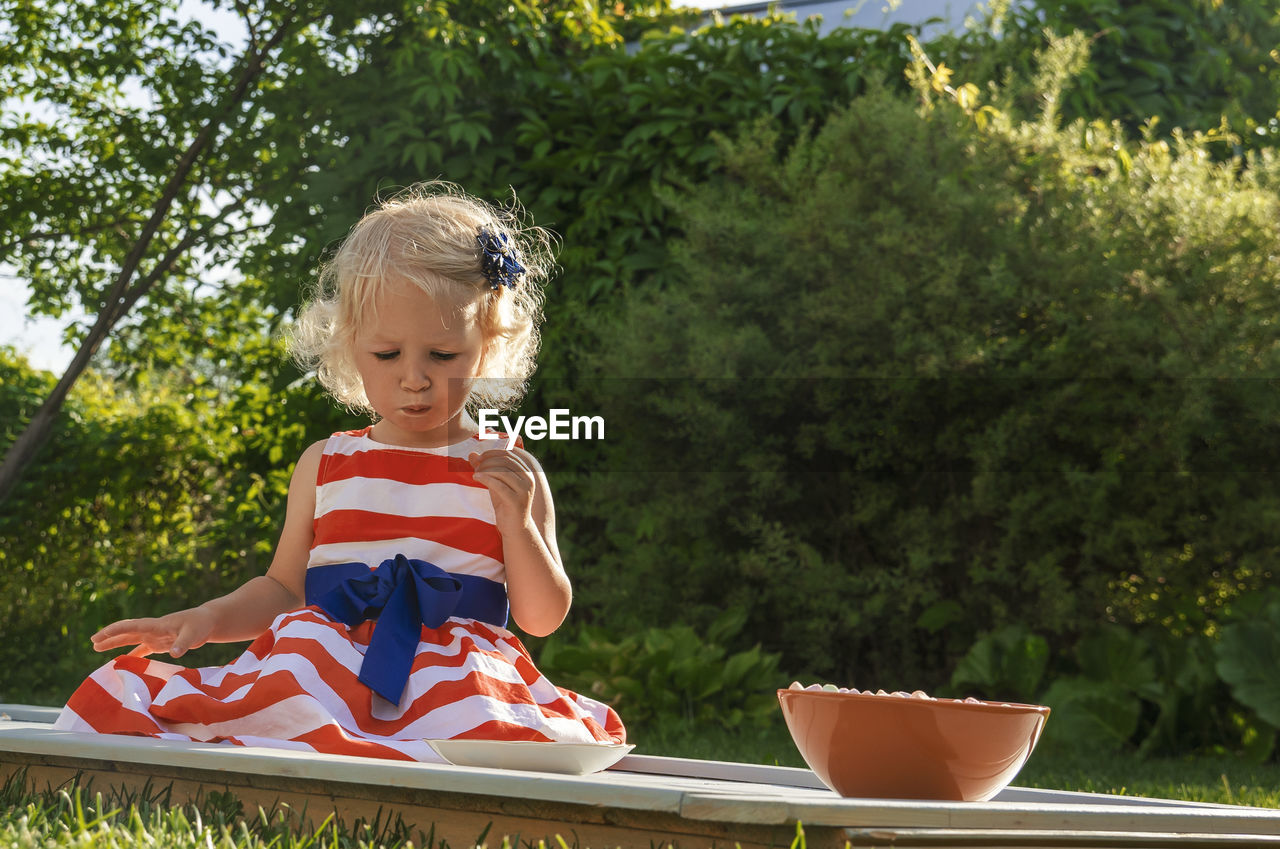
x,y
122,297
27,445
24,449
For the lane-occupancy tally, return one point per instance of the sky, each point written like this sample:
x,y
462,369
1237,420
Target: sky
x,y
40,338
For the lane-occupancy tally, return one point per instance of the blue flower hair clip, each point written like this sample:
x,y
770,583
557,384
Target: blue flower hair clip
x,y
498,259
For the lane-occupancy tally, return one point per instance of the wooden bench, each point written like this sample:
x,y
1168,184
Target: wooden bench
x,y
643,801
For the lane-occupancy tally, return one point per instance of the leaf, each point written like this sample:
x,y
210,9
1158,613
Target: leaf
x,y
1088,715
1008,663
1116,656
940,614
1248,659
727,625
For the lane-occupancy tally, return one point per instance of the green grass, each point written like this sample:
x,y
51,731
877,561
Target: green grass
x,y
77,818
1222,779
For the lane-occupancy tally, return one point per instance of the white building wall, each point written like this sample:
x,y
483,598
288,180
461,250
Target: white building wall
x,y
868,14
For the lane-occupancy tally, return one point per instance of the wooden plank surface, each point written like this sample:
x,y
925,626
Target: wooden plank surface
x,y
642,801
428,806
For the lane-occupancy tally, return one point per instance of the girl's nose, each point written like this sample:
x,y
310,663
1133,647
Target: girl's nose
x,y
414,378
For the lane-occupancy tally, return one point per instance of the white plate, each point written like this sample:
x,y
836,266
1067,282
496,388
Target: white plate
x,y
567,758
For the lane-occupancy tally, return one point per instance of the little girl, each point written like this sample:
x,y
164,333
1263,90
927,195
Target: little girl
x,y
381,621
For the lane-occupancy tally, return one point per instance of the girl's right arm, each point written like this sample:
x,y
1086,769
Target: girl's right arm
x,y
247,611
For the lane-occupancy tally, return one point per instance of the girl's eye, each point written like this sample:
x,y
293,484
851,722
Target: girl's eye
x,y
442,356
385,355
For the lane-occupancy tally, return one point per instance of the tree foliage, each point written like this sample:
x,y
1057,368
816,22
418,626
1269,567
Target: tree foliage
x,y
135,151
935,348
549,99
1198,65
923,375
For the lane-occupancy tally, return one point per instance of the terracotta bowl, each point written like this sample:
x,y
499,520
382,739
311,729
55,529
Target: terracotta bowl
x,y
890,747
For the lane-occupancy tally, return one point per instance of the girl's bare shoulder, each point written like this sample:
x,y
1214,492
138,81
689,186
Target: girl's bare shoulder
x,y
308,464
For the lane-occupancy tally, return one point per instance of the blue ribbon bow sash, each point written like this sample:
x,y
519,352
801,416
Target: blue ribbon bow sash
x,y
403,595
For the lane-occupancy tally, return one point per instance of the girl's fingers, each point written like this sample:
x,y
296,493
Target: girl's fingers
x,y
115,641
508,478
115,629
185,640
137,640
511,472
129,632
498,458
514,473
131,639
513,469
492,481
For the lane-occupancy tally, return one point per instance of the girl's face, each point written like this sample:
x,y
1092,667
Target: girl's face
x,y
417,359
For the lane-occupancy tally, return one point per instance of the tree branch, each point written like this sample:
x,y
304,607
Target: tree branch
x,y
49,235
252,68
23,449
243,9
165,263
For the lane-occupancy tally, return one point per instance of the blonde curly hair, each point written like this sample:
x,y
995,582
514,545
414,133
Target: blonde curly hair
x,y
426,235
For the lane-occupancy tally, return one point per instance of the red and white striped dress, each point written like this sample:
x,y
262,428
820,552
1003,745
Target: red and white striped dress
x,y
296,686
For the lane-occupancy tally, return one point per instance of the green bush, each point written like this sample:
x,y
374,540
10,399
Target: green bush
x,y
923,375
1144,689
112,510
673,676
146,499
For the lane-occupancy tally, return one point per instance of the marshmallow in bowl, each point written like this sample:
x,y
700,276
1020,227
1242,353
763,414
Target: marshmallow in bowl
x,y
832,688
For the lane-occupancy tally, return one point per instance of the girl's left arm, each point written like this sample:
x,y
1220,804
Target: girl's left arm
x,y
537,586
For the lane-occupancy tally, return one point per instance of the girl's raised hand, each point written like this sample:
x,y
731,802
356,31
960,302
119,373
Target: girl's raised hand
x,y
510,478
176,633
537,586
